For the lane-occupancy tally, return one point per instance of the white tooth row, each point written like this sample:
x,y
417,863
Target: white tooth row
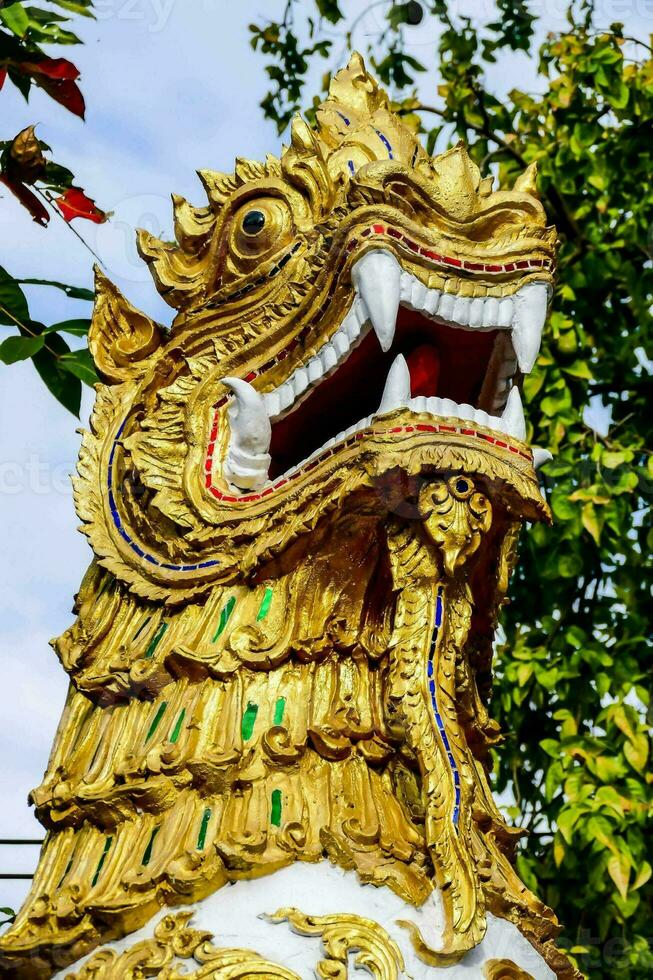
x,y
480,313
450,409
487,313
433,406
330,355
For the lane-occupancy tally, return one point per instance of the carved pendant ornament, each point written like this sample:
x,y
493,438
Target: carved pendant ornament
x,y
303,501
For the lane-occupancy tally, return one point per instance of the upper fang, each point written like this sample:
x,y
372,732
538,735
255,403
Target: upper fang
x,y
377,278
530,313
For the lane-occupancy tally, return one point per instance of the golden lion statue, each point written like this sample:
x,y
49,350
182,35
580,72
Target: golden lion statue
x,y
303,501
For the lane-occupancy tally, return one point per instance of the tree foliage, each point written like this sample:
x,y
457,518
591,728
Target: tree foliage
x,y
43,187
572,676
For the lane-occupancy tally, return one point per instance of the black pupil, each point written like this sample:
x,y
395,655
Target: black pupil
x,y
462,486
253,222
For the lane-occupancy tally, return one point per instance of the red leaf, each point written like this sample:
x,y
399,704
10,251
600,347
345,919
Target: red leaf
x,y
57,68
75,204
28,200
66,93
3,75
57,77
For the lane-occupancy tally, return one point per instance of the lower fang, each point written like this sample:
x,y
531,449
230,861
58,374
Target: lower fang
x,y
397,387
513,415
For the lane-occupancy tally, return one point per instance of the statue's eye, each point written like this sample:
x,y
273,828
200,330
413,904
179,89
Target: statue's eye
x,y
253,222
261,227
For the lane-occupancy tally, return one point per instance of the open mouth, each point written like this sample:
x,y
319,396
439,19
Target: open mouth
x,y
401,345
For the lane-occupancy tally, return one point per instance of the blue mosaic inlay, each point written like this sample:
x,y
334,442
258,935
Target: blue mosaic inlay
x,y
343,117
430,670
352,168
386,142
123,533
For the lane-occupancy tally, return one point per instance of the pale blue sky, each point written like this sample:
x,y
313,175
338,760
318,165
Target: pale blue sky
x,y
171,86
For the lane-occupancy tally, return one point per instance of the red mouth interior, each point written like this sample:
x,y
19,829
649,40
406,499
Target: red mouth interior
x,y
443,361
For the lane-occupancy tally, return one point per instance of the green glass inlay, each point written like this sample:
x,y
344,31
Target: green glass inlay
x,y
249,720
275,808
107,846
177,729
156,639
157,718
227,610
140,629
201,837
147,854
265,604
279,709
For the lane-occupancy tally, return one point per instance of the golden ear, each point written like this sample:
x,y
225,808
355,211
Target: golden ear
x,y
121,339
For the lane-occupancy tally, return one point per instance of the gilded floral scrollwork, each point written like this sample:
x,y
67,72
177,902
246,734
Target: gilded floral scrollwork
x,y
343,935
175,949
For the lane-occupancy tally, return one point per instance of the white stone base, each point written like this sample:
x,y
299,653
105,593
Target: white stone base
x,y
232,915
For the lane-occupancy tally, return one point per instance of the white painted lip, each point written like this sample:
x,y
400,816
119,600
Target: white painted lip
x,y
381,288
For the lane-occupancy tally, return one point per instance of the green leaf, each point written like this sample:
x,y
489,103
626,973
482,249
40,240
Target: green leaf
x,y
65,387
80,363
16,18
20,348
591,522
641,878
75,292
81,7
13,305
78,328
636,751
619,871
570,565
329,10
613,459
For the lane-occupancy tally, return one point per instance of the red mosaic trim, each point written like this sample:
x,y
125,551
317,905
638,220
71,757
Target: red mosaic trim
x,y
436,257
435,427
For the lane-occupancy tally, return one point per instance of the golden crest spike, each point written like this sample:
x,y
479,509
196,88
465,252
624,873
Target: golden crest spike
x,y
486,186
356,64
354,96
303,163
272,165
246,170
217,185
191,224
526,183
302,137
457,180
120,338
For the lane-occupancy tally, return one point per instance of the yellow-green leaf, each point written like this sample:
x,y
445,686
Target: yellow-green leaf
x,y
636,751
591,521
619,871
